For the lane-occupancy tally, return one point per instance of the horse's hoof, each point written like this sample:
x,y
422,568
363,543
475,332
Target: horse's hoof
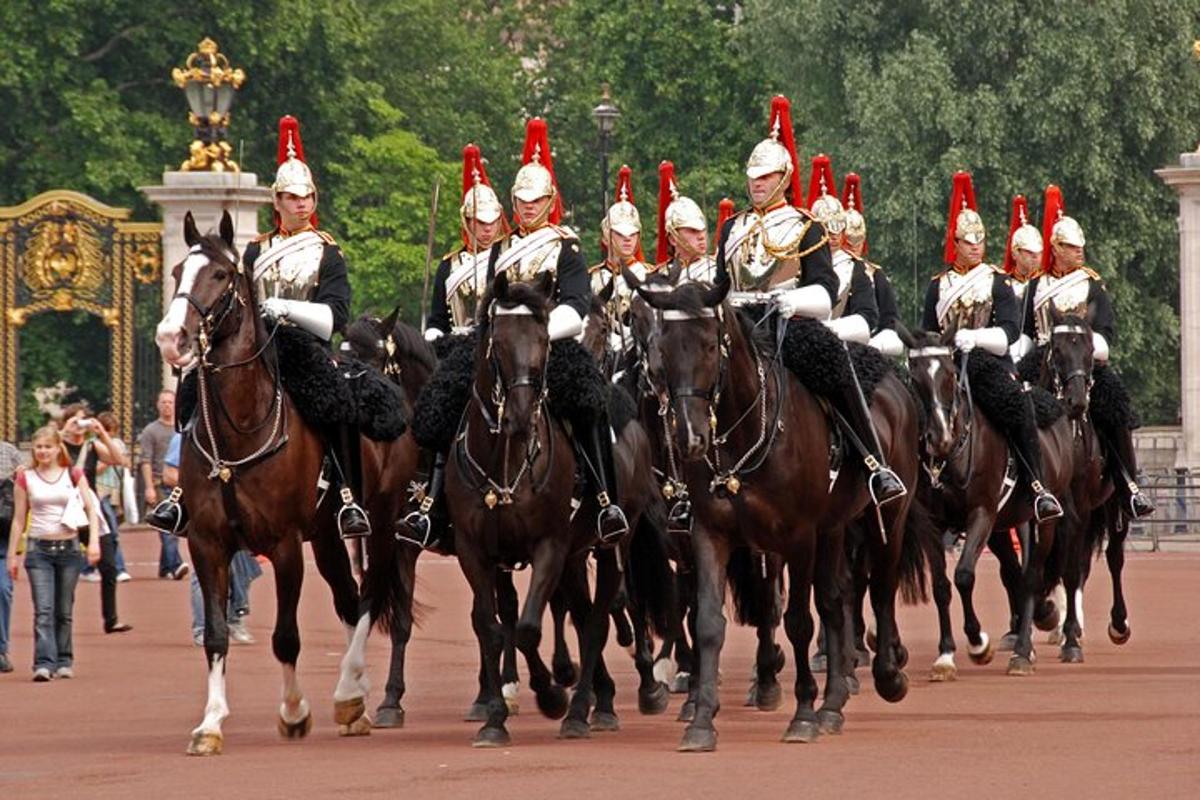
x,y
943,669
1007,643
863,659
654,701
605,722
830,721
206,743
983,653
389,717
852,684
1117,637
769,697
566,673
478,712
492,737
687,712
552,702
895,689
1048,613
698,740
1056,637
802,731
1020,665
1071,654
680,684
574,729
295,730
818,663
751,693
347,711
360,727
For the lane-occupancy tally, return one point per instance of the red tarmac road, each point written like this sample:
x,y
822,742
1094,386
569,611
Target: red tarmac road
x,y
1126,723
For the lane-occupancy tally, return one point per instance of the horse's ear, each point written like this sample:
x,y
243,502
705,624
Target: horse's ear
x,y
190,233
545,283
673,273
631,280
607,292
500,285
226,229
906,336
716,295
388,324
947,337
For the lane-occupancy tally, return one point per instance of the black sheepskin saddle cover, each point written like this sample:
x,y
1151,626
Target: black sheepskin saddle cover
x,y
1109,405
577,391
326,392
1001,398
815,354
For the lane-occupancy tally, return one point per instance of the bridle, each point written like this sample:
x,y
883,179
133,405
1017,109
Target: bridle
x,y
1079,373
962,398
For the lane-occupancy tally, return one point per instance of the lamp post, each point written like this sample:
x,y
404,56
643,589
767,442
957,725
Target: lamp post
x,y
209,83
606,115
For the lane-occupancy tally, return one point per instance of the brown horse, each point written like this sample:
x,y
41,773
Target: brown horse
x,y
729,402
249,472
966,470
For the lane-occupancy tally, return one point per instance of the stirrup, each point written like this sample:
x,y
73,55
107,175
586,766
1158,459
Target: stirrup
x,y
679,518
884,484
1045,506
168,516
611,523
1139,505
419,522
352,520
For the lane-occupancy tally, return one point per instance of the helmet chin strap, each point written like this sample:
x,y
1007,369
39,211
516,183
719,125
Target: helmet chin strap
x,y
777,193
541,218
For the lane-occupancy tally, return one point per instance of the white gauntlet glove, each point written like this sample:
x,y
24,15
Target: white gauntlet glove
x,y
433,334
1099,348
1020,348
850,329
887,342
316,318
564,323
807,301
964,340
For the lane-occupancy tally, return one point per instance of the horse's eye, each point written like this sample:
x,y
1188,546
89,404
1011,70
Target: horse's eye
x,y
220,274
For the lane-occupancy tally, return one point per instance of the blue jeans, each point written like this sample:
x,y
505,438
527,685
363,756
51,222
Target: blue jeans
x,y
6,590
53,569
242,570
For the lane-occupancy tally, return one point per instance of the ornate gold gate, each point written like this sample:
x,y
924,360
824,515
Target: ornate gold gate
x,y
64,251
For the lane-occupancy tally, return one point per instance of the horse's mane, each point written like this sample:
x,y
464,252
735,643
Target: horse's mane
x,y
411,343
213,246
516,294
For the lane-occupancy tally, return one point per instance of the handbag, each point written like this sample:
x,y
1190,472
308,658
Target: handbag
x,y
129,497
75,514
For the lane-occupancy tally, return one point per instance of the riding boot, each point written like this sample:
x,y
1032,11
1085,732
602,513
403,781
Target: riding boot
x,y
1045,505
1121,443
883,483
596,443
352,520
424,520
170,515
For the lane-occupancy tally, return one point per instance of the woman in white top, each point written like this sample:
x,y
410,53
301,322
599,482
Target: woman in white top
x,y
52,558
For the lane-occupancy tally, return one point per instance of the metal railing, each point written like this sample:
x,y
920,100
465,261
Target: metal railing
x,y
1176,495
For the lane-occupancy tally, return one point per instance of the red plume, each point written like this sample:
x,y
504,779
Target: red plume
x,y
1020,214
822,170
289,128
781,116
472,164
1053,210
852,198
725,210
962,195
666,193
537,142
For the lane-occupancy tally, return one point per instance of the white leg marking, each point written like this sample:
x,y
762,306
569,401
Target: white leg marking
x,y
353,680
509,690
945,660
217,708
664,670
983,644
1079,610
294,707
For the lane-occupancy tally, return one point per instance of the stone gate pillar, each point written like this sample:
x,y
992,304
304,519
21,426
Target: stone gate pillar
x,y
207,195
1184,178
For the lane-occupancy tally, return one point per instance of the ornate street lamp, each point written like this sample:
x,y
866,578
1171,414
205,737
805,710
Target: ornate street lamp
x,y
209,83
606,115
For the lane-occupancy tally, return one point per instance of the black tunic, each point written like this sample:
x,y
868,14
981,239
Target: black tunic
x,y
885,300
861,299
439,309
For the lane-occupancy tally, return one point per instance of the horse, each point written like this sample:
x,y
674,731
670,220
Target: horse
x,y
966,465
727,400
249,471
509,485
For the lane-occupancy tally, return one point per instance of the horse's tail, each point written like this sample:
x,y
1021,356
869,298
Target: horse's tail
x,y
753,583
649,580
920,533
389,584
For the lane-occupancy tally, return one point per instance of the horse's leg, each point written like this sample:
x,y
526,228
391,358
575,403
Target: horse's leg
x,y
979,527
593,619
546,567
1022,660
212,571
887,670
1012,576
831,580
508,603
685,656
1075,566
798,622
390,713
712,561
1118,528
295,716
488,631
620,619
768,660
566,672
653,694
944,668
334,563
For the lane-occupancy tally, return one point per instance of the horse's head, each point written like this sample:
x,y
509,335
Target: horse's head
x,y
209,295
372,341
1069,360
515,344
599,324
935,376
685,342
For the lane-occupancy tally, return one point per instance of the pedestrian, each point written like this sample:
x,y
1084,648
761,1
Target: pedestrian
x,y
110,486
152,444
10,460
88,444
51,493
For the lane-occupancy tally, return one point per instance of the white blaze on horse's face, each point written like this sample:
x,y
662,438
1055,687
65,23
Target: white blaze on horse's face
x,y
170,337
933,367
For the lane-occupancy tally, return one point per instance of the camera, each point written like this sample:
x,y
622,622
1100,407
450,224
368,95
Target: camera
x,y
86,423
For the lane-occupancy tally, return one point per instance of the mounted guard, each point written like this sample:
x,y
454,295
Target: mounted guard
x,y
777,253
1067,287
682,241
1022,263
621,244
854,242
972,302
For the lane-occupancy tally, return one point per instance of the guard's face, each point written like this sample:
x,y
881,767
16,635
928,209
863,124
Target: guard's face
x,y
529,212
1068,256
483,232
1027,262
762,187
967,254
690,242
294,210
625,246
853,248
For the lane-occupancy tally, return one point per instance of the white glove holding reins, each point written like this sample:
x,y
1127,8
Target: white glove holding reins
x,y
853,328
887,341
991,340
806,301
316,318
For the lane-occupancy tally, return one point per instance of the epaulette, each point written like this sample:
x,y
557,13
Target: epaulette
x,y
325,237
451,254
593,270
565,232
1091,273
262,237
998,268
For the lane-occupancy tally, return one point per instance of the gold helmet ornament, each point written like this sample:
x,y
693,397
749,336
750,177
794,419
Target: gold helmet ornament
x,y
674,212
1021,235
856,224
825,207
777,153
965,222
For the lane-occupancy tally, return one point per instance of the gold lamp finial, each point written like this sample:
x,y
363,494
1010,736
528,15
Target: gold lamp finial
x,y
209,83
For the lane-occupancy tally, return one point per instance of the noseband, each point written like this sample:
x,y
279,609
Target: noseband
x,y
962,389
1061,382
